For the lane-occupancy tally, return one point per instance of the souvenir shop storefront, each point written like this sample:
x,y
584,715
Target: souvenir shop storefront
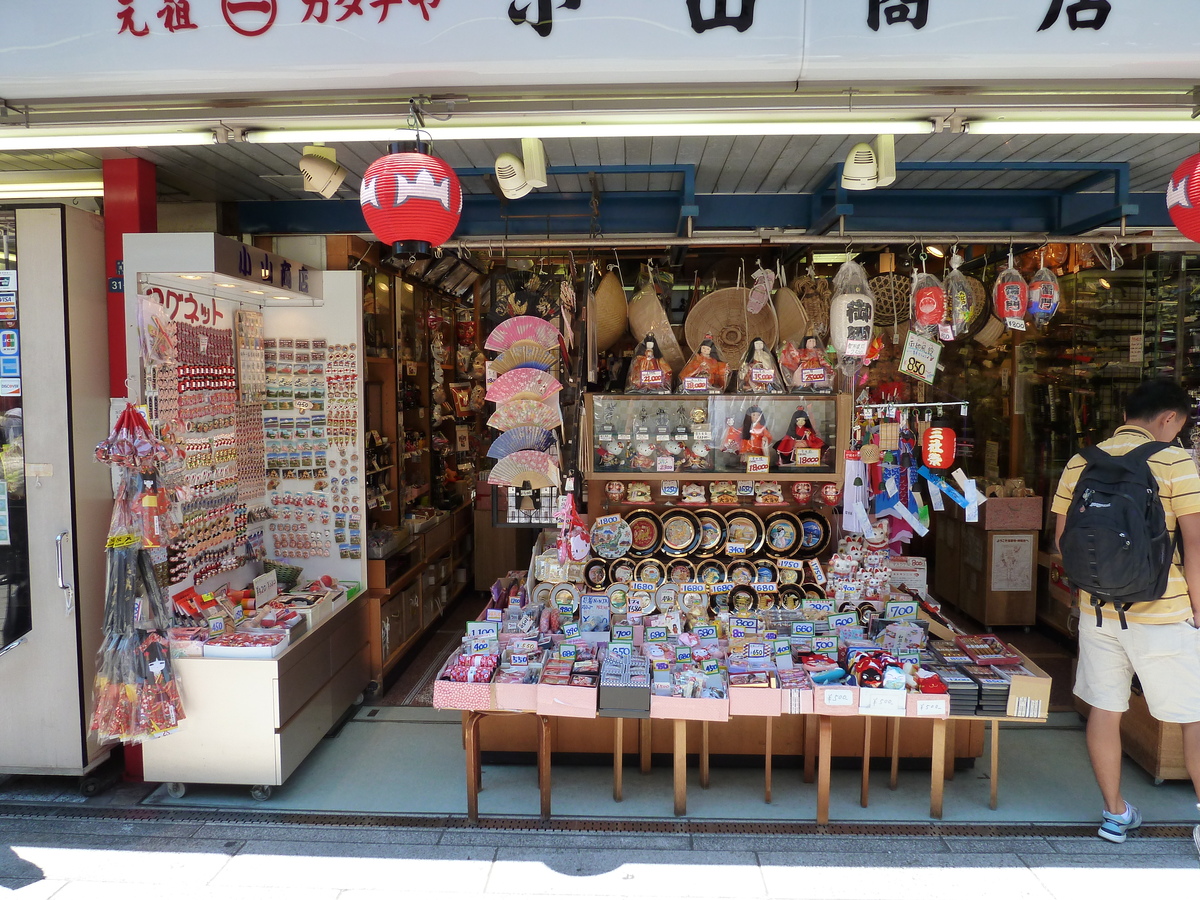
x,y
634,426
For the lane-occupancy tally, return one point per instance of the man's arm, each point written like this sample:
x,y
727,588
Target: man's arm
x,y
1060,523
1189,534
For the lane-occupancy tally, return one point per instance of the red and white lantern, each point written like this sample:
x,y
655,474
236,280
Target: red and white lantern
x,y
938,446
1183,197
411,200
929,305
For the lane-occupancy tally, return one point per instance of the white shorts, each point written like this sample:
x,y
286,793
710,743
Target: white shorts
x,y
1166,659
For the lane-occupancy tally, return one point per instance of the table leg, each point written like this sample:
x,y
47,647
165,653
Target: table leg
x,y
644,745
995,769
938,768
865,789
680,767
951,741
471,743
825,742
704,754
618,759
810,749
769,760
544,764
895,780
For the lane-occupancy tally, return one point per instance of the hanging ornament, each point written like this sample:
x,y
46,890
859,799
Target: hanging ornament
x,y
1044,295
411,200
851,312
958,296
1183,197
938,446
928,301
1010,295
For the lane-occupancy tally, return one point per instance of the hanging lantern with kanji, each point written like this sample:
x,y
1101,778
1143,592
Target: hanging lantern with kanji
x,y
411,200
938,446
1183,197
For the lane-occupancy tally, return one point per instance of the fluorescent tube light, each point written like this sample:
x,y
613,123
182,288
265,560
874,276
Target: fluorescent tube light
x,y
1085,126
50,184
32,139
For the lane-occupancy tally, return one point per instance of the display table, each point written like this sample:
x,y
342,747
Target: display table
x,y
471,722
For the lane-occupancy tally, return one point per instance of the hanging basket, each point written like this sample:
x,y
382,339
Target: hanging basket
x,y
979,306
793,320
815,296
611,311
723,315
892,292
647,316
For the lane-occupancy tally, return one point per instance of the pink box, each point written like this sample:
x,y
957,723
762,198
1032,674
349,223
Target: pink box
x,y
699,709
461,695
755,701
929,706
835,700
515,697
565,700
796,701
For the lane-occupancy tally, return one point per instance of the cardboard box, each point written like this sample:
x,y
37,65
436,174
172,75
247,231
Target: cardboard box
x,y
882,702
697,709
929,706
835,700
796,701
755,701
515,697
461,695
1029,695
566,700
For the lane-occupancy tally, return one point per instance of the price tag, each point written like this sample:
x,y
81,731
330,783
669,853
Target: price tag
x,y
565,607
704,436
239,615
756,651
643,586
567,651
705,632
842,620
661,665
946,331
761,376
825,644
652,376
757,465
621,648
766,587
216,624
625,437
266,586
839,697
803,629
481,646
781,647
900,609
735,549
750,625
484,629
606,438
825,606
745,488
695,383
622,633
495,615
737,633
770,634
570,630
818,573
920,357
669,488
931,707
519,660
856,348
909,656
723,588
712,667
656,634
694,588
608,520
666,464
794,564
683,654
1015,324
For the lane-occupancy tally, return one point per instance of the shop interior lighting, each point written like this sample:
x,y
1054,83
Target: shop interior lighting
x,y
935,250
1104,283
246,292
60,139
1085,126
51,184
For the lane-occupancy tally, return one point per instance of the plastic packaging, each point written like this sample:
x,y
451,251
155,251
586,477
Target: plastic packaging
x,y
852,312
928,303
758,373
705,372
1010,296
649,372
1044,296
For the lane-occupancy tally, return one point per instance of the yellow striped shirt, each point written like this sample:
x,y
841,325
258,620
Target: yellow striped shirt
x,y
1179,489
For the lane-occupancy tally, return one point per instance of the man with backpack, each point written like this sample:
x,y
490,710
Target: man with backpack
x,y
1128,528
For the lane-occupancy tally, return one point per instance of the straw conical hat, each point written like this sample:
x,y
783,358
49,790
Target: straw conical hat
x,y
647,316
793,320
611,310
723,315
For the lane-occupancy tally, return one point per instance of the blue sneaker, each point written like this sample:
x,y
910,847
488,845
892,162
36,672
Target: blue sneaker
x,y
1113,828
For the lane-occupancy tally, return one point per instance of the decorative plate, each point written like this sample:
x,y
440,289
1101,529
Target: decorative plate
x,y
667,597
542,594
680,571
595,574
565,593
745,528
720,602
651,571
712,532
789,576
618,599
742,572
790,597
620,571
812,591
783,533
641,603
742,600
766,601
710,572
765,571
646,530
681,532
612,539
694,603
814,534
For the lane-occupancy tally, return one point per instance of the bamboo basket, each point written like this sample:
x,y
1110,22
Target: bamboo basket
x,y
723,315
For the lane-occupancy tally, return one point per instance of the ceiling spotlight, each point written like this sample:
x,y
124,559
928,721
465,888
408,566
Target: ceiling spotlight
x,y
934,250
510,173
868,167
322,174
1104,283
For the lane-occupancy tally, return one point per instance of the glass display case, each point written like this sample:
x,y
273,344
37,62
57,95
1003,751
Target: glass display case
x,y
694,436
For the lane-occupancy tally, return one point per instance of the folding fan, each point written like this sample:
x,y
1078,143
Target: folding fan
x,y
512,384
523,356
523,328
525,412
533,466
523,437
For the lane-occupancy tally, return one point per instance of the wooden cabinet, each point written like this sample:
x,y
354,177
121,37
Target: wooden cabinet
x,y
991,575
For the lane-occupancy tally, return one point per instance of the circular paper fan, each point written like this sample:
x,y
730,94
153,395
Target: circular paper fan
x,y
525,412
523,328
523,437
524,355
533,466
532,382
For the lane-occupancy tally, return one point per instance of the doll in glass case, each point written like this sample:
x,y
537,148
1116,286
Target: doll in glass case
x,y
758,373
799,436
697,457
705,372
643,456
755,436
649,373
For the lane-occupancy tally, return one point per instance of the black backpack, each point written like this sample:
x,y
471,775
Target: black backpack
x,y
1115,544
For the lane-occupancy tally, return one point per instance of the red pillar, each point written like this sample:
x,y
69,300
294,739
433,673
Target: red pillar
x,y
130,207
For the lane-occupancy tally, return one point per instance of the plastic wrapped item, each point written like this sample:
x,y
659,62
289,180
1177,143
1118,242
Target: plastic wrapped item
x,y
852,312
958,297
928,303
1010,296
812,374
132,444
756,439
758,373
649,372
705,372
1044,296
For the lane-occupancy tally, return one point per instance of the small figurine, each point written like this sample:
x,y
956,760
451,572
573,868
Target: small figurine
x,y
699,415
705,372
813,374
693,492
768,493
639,492
800,435
723,492
758,373
649,373
755,436
696,457
615,491
643,456
802,492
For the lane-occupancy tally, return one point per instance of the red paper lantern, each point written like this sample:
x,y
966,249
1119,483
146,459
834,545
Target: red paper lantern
x,y
938,446
930,305
412,201
1011,296
1183,197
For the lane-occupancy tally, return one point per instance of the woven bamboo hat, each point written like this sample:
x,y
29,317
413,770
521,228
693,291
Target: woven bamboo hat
x,y
647,316
793,320
723,315
611,311
815,295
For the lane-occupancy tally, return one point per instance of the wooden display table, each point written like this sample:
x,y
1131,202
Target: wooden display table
x,y
471,722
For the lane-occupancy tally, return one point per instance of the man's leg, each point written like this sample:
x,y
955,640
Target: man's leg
x,y
1104,748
